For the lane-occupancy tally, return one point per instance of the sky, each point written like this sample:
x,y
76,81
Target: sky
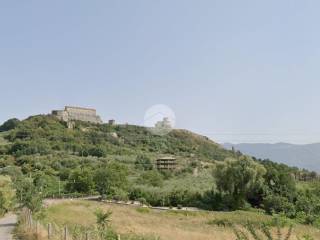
x,y
235,71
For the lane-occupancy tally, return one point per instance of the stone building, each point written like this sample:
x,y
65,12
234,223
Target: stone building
x,y
165,123
112,122
70,114
166,163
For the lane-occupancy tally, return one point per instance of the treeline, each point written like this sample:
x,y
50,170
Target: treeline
x,y
243,183
240,183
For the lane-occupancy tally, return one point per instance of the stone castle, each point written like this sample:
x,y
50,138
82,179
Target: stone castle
x,y
70,114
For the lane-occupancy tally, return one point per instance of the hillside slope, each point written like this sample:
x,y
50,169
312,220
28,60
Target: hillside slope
x,y
46,135
64,161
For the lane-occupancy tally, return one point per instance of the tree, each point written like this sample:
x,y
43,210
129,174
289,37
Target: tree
x,y
28,195
280,180
111,178
152,178
143,163
7,194
238,177
10,124
48,185
80,181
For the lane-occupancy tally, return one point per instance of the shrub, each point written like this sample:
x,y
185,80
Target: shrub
x,y
143,163
220,222
278,204
151,178
143,210
7,194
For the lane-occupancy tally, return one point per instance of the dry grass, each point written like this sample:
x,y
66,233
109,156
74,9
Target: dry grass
x,y
165,224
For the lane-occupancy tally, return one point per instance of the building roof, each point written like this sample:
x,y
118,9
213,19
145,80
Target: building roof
x,y
166,158
82,108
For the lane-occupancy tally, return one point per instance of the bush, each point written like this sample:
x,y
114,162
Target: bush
x,y
278,204
97,152
151,178
7,194
143,210
143,201
143,163
220,222
120,195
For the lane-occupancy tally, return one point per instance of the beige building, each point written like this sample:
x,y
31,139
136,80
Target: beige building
x,y
77,114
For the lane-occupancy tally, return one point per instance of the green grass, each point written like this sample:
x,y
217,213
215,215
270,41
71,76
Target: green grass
x,y
143,210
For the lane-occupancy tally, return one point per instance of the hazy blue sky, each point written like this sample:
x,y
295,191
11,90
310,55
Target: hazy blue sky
x,y
238,71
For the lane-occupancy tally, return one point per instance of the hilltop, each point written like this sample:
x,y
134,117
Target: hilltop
x,y
45,148
45,134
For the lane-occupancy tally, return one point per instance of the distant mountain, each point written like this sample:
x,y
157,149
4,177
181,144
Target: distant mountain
x,y
303,156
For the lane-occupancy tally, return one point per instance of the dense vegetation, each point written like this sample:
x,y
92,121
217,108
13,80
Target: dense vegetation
x,y
7,194
44,158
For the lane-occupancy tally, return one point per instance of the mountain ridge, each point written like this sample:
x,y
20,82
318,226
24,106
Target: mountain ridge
x,y
300,155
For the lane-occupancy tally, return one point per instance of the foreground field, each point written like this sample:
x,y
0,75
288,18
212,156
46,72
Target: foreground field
x,y
164,224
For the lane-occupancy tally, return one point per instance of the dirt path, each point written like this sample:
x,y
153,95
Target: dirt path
x,y
7,224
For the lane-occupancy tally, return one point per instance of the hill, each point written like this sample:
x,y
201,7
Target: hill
x,y
45,135
55,157
303,156
45,158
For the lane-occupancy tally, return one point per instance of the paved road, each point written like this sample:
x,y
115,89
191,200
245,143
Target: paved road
x,y
7,224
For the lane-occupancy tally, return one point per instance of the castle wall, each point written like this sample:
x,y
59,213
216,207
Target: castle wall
x,y
77,114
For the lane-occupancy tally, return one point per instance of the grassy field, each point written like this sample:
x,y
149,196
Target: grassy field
x,y
165,224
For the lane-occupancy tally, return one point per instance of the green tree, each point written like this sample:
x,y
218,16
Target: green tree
x,y
10,124
238,177
151,178
143,163
280,180
111,178
48,185
81,181
7,194
28,195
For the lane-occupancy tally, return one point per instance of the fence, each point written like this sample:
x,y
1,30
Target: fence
x,y
51,231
